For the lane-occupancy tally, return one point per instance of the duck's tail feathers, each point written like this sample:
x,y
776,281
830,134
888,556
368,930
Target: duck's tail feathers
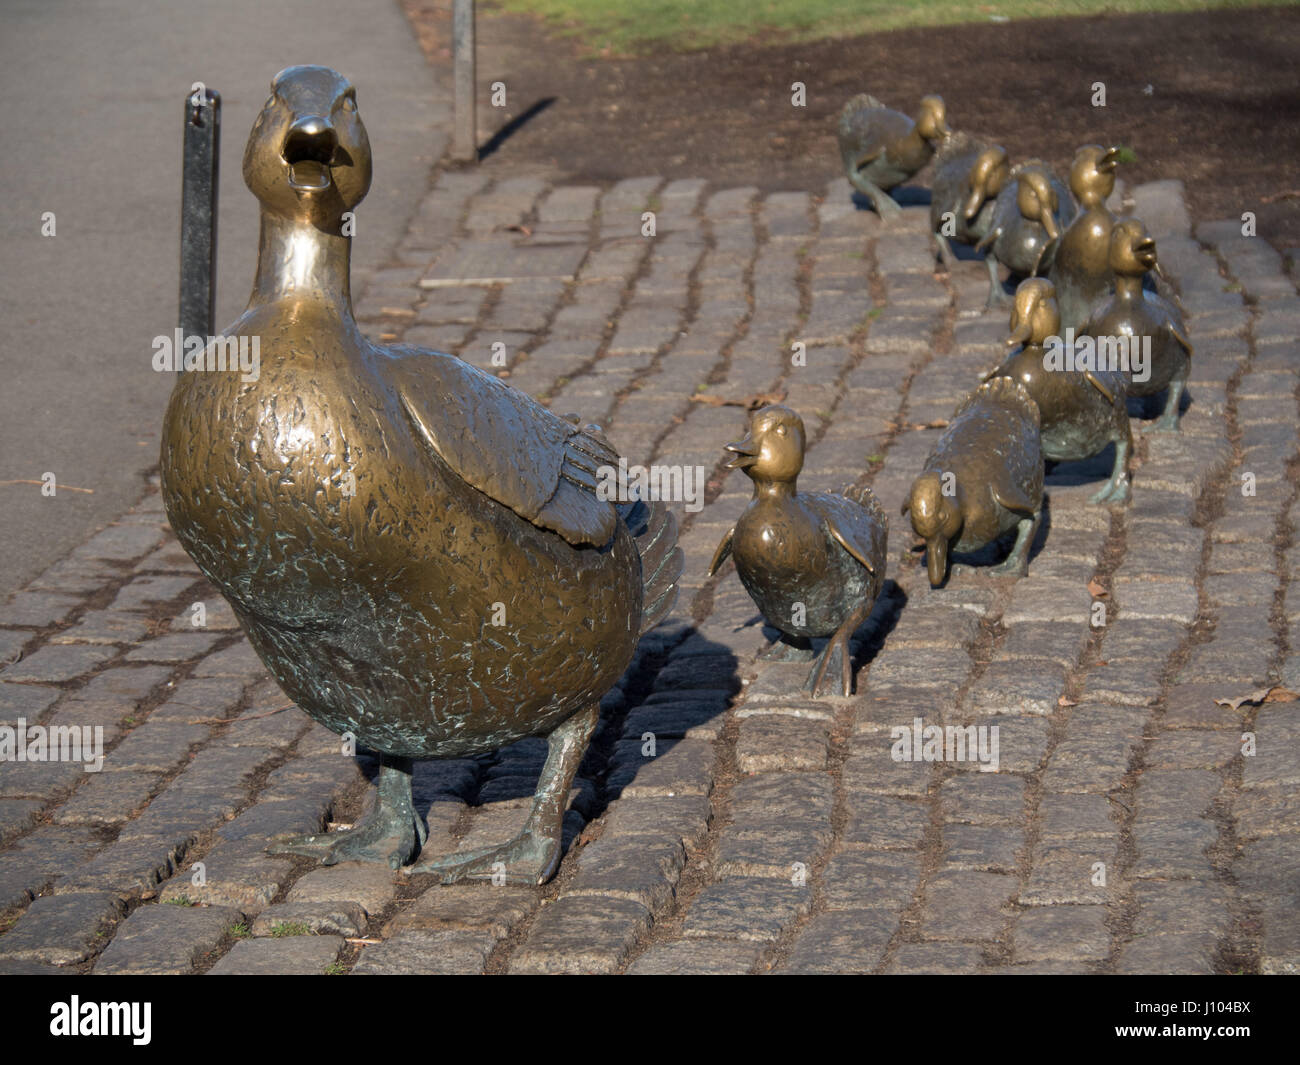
x,y
1004,390
654,528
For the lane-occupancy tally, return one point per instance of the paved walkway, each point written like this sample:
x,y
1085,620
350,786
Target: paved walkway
x,y
1125,831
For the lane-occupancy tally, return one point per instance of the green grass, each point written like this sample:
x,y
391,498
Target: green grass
x,y
290,928
638,26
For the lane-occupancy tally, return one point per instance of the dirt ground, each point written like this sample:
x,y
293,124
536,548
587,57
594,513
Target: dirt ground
x,y
1211,98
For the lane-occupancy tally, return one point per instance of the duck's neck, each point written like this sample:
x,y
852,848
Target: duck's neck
x,y
774,490
298,263
1128,288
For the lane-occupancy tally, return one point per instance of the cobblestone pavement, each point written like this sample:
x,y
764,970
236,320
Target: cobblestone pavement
x,y
1124,831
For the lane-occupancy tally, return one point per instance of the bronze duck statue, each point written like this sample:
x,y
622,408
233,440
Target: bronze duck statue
x,y
1029,214
813,562
1080,269
983,478
1143,317
1080,411
969,172
417,552
882,148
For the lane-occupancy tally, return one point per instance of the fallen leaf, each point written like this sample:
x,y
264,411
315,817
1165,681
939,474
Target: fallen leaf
x,y
1281,695
750,403
1275,694
1096,589
520,229
1063,701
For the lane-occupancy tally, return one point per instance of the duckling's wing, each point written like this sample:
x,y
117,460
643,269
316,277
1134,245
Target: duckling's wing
x,y
507,445
851,526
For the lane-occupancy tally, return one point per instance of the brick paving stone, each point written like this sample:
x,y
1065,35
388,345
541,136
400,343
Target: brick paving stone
x,y
581,935
370,886
177,647
1193,749
108,799
62,929
290,956
155,747
749,908
983,799
966,905
982,847
105,627
468,907
1181,906
17,816
1018,687
1173,849
450,953
57,662
643,869
1169,954
1075,816
239,875
682,768
1267,813
847,941
166,940
27,701
857,880
946,959
885,823
698,957
771,742
1071,933
38,609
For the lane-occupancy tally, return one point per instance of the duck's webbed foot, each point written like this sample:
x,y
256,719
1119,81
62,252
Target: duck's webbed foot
x,y
1168,421
997,295
1116,490
836,656
392,832
1017,563
533,856
789,649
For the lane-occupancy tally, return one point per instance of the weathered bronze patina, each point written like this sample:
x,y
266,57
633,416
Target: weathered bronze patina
x,y
983,478
1080,411
969,172
416,550
882,148
813,562
1028,216
1139,317
1080,269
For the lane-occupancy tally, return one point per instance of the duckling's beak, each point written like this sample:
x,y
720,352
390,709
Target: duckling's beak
x,y
1049,223
1144,251
936,559
974,202
1020,333
944,129
745,452
1109,160
309,149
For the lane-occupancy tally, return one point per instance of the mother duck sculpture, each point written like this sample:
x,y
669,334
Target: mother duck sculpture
x,y
417,551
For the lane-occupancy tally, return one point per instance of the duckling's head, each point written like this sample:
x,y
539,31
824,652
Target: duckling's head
x,y
772,452
1132,249
1035,315
932,119
990,171
308,155
1037,200
936,518
1092,174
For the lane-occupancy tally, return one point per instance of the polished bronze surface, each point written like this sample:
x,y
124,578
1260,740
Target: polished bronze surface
x,y
1080,269
969,172
1145,317
1029,214
883,148
417,551
983,478
1080,411
813,562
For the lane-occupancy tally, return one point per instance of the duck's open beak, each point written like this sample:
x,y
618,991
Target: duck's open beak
x,y
936,560
1144,251
1109,160
309,149
745,454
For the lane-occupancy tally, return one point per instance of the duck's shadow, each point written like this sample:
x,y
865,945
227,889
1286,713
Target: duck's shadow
x,y
903,195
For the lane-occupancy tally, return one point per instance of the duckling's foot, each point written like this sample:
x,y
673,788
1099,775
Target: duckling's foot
x,y
392,832
836,656
1116,490
788,650
1168,423
1017,563
532,856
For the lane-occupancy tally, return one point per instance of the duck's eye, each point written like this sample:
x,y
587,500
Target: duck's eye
x,y
780,430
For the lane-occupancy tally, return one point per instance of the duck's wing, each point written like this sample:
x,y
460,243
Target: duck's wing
x,y
501,441
723,552
851,526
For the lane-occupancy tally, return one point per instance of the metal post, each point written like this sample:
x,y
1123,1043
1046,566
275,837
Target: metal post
x,y
464,144
199,169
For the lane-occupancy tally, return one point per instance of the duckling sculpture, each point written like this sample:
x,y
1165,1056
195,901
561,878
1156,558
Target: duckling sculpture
x,y
1080,270
882,148
983,479
1028,216
416,551
813,562
1080,411
969,172
1142,318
